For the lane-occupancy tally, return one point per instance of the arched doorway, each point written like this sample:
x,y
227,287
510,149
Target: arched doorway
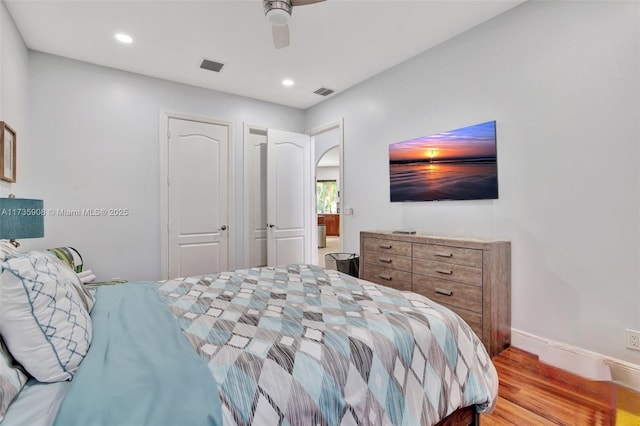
x,y
328,202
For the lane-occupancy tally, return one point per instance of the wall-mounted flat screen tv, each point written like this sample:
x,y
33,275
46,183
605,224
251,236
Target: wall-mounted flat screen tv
x,y
459,164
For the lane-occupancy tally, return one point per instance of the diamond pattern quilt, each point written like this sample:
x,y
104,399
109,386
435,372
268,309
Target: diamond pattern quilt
x,y
302,345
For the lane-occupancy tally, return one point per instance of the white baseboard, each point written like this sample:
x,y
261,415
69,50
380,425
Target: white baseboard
x,y
578,361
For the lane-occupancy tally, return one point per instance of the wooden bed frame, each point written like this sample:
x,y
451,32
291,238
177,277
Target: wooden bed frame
x,y
466,416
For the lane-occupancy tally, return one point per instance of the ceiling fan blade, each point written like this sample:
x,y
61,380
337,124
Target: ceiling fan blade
x,y
304,2
280,36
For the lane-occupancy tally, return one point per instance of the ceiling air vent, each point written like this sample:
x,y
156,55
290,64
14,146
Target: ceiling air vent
x,y
323,91
211,65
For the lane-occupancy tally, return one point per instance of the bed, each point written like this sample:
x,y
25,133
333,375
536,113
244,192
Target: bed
x,y
290,345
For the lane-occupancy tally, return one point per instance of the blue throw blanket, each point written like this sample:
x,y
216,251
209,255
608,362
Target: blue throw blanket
x,y
140,370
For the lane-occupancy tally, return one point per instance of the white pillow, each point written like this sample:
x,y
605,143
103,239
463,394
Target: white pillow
x,y
7,250
43,320
12,379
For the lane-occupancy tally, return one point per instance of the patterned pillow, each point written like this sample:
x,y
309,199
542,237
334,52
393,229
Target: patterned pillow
x,y
43,320
87,298
12,379
68,255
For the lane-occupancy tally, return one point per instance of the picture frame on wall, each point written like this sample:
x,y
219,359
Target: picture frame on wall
x,y
7,153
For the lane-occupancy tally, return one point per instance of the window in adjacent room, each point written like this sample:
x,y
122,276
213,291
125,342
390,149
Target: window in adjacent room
x,y
327,196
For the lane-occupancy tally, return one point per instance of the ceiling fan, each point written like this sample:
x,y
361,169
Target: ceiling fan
x,y
278,13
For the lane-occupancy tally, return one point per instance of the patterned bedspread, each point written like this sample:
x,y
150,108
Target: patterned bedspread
x,y
301,345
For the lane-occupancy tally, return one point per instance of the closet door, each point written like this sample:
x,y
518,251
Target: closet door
x,y
198,197
255,196
278,197
289,198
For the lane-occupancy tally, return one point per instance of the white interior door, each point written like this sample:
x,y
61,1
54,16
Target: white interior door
x,y
198,165
255,168
289,198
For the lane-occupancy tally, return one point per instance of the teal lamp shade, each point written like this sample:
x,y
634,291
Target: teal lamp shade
x,y
21,218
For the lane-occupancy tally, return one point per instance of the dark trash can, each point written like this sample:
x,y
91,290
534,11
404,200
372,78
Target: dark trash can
x,y
343,262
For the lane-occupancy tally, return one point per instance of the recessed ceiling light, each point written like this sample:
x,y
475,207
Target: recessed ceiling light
x,y
287,82
124,38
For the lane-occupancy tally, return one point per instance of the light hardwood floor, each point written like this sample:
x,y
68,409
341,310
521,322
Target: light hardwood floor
x,y
534,393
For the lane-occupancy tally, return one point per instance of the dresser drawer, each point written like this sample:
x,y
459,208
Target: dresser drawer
x,y
401,248
474,319
449,292
448,271
387,260
455,255
394,278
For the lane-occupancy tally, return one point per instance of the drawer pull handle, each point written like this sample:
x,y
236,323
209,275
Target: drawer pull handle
x,y
384,260
444,271
444,292
443,254
385,277
385,246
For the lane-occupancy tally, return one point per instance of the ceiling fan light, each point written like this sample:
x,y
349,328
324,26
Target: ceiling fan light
x,y
124,38
278,17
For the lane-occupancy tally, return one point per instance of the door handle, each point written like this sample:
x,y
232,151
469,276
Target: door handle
x,y
271,225
222,228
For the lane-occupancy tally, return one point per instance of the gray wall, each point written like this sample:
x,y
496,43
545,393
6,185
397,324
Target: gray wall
x,y
97,133
562,81
325,141
14,72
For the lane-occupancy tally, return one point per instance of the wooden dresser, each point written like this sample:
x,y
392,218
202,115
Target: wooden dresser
x,y
470,277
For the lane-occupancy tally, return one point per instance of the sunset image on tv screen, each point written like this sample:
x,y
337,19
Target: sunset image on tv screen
x,y
459,164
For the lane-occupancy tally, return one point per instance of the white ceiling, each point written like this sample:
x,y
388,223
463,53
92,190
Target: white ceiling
x,y
334,44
